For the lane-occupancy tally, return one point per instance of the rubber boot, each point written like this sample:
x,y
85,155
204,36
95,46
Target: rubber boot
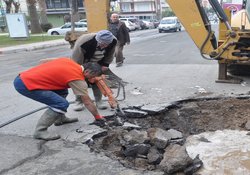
x,y
98,98
46,120
62,119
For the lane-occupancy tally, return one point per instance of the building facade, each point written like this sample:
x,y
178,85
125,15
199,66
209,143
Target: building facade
x,y
59,11
142,9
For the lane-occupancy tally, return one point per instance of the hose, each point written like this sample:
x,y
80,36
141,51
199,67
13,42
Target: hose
x,y
24,115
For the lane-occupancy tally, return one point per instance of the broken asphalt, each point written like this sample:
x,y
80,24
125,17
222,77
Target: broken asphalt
x,y
152,86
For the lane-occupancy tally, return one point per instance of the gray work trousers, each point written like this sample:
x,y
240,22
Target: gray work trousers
x,y
119,52
96,91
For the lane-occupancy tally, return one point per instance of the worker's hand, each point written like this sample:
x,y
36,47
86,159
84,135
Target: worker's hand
x,y
104,68
100,122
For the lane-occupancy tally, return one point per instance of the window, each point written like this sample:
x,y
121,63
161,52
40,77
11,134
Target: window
x,y
125,7
51,4
147,6
65,26
81,25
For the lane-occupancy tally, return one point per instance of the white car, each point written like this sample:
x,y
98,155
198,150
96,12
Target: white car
x,y
79,26
135,21
169,24
83,20
130,26
149,25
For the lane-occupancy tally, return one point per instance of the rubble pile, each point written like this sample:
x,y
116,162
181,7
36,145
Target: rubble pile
x,y
149,149
155,139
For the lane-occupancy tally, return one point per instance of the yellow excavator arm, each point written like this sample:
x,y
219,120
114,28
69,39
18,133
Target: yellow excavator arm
x,y
97,14
233,44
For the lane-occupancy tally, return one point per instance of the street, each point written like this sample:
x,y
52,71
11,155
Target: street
x,y
147,47
160,68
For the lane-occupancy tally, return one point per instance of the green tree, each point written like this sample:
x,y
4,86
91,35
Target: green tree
x,y
167,13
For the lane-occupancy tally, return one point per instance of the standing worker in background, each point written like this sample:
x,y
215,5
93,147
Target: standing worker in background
x,y
94,47
120,31
48,83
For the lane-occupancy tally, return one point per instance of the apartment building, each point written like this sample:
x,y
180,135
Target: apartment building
x,y
142,9
57,10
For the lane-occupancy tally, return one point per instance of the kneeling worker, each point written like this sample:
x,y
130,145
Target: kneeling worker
x,y
48,83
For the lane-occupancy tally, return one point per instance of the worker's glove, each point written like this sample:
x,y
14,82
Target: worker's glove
x,y
99,121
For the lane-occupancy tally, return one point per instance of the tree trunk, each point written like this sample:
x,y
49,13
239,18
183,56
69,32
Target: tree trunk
x,y
17,6
34,19
8,5
74,10
42,8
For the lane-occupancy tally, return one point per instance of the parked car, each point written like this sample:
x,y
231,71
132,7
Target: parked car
x,y
135,21
155,22
83,20
149,25
130,26
79,26
169,24
142,25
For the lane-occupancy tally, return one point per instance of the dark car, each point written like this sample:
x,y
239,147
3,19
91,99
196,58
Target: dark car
x,y
155,22
142,25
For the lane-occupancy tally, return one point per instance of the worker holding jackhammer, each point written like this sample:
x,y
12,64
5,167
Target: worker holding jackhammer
x,y
94,47
48,83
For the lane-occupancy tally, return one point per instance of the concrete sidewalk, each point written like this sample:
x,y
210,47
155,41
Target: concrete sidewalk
x,y
33,46
52,43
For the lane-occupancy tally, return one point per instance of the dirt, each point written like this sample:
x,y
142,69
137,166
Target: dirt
x,y
190,117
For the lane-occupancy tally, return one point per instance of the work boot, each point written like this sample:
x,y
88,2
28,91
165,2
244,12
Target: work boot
x,y
119,64
98,98
64,120
78,106
46,120
100,105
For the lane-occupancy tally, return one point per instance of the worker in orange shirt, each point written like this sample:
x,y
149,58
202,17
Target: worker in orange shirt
x,y
48,83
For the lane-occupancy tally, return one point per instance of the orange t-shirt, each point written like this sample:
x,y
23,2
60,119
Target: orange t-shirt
x,y
52,75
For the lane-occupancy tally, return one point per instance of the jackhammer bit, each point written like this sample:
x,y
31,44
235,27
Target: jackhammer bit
x,y
119,114
113,102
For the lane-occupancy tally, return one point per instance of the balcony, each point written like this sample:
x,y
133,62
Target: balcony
x,y
61,6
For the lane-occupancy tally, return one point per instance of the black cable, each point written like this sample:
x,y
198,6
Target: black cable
x,y
24,115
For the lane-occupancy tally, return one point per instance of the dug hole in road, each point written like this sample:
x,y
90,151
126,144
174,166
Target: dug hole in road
x,y
157,141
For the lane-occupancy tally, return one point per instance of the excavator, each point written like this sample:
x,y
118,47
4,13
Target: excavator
x,y
231,49
233,45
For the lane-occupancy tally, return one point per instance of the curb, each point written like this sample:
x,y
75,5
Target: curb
x,y
31,47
